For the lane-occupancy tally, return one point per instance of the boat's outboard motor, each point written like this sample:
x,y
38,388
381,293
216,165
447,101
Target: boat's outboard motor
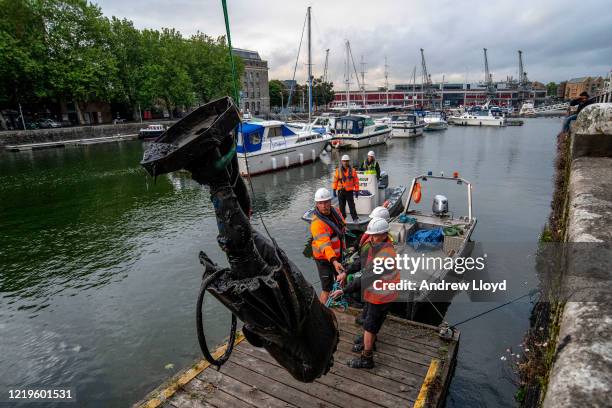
x,y
440,205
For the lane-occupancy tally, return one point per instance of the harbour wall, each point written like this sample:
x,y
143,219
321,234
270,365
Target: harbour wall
x,y
20,137
581,371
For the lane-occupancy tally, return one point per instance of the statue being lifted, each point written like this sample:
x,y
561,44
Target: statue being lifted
x,y
262,287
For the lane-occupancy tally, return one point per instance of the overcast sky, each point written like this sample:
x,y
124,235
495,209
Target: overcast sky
x,y
560,39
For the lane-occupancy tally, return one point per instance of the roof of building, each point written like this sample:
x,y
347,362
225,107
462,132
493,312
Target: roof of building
x,y
246,54
579,80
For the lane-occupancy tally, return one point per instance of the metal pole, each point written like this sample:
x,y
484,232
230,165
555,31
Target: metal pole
x,y
309,71
22,120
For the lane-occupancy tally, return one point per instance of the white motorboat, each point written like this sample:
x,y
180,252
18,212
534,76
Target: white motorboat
x,y
482,118
357,131
373,192
151,132
404,125
435,121
268,146
320,124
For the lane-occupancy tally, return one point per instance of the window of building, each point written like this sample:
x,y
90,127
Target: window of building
x,y
246,106
258,106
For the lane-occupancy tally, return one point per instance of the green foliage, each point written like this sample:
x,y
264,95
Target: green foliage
x,y
67,50
277,91
551,89
323,92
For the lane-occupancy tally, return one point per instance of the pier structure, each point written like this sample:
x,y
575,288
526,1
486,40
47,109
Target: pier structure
x,y
413,368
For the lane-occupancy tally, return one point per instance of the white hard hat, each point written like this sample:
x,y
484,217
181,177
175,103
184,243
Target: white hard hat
x,y
346,157
322,194
377,226
380,212
371,153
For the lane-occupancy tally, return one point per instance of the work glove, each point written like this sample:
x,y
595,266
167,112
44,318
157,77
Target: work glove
x,y
356,193
334,193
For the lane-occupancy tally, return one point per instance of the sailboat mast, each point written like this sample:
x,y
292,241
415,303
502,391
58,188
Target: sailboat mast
x,y
387,80
348,73
309,71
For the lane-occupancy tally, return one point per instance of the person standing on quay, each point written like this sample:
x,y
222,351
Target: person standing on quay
x,y
346,185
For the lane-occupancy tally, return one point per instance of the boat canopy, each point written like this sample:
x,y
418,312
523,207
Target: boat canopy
x,y
352,124
251,135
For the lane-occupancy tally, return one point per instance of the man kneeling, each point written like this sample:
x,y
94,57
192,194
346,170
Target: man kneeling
x,y
376,274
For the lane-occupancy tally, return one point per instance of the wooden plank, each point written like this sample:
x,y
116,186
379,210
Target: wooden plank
x,y
390,361
155,398
395,326
183,399
245,392
396,342
437,400
209,394
382,348
426,389
268,385
358,384
324,390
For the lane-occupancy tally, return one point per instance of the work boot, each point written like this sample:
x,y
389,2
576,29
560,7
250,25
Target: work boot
x,y
366,360
358,347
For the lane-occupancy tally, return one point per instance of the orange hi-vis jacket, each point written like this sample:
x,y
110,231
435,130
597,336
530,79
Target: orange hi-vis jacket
x,y
377,293
326,244
346,179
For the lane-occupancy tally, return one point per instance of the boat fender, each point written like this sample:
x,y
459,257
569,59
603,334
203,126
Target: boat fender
x,y
416,192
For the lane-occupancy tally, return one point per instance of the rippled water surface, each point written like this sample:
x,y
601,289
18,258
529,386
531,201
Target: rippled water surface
x,y
99,271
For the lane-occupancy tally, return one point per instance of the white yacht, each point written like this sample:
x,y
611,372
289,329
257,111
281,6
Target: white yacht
x,y
271,145
482,118
404,125
527,109
357,131
435,121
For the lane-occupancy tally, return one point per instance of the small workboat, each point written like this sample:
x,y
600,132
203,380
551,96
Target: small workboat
x,y
271,145
357,131
443,234
373,192
151,132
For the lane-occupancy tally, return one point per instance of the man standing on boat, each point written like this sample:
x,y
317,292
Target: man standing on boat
x,y
371,164
345,185
375,294
327,229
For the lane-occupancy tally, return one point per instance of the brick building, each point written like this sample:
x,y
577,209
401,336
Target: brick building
x,y
576,86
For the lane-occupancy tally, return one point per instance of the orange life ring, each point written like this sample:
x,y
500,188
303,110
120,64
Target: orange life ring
x,y
416,192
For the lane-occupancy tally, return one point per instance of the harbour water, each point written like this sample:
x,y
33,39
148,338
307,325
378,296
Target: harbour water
x,y
99,271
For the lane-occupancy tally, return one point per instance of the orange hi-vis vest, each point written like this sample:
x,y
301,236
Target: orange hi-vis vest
x,y
326,244
377,293
347,180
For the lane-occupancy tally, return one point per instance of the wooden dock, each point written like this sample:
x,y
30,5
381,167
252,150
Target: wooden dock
x,y
413,368
71,142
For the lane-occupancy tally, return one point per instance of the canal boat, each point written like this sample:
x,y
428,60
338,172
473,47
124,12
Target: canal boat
x,y
373,192
482,118
151,131
357,131
435,121
453,232
405,125
267,146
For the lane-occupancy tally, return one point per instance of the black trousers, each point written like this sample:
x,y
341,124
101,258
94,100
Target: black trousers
x,y
347,197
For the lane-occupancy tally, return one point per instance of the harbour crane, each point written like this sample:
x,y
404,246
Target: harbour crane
x,y
488,77
425,81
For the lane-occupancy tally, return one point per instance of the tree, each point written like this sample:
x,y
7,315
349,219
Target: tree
x,y
277,90
551,89
323,92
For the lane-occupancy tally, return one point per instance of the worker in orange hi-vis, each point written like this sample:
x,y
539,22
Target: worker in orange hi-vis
x,y
346,185
327,229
